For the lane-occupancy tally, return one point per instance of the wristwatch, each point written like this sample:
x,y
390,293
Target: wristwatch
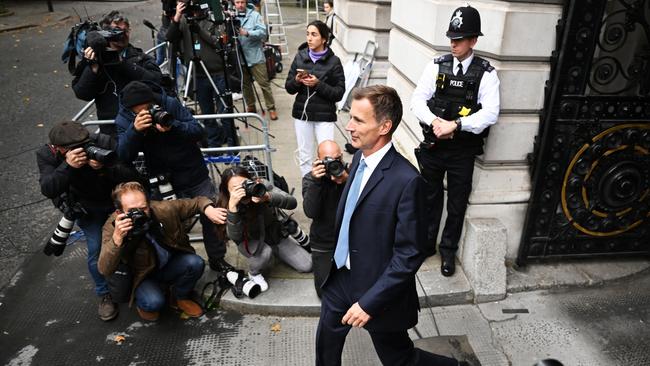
x,y
459,125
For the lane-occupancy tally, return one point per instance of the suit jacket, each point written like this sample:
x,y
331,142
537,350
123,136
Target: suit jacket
x,y
387,229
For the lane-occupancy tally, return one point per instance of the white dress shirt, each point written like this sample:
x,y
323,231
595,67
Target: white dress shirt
x,y
488,97
372,161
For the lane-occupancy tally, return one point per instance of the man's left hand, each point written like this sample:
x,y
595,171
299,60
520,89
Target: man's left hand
x,y
243,32
95,164
162,128
355,316
216,214
444,129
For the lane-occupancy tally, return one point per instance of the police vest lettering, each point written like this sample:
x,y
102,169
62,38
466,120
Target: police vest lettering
x,y
455,97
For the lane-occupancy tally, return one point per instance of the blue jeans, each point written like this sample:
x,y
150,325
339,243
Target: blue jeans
x,y
218,134
92,224
161,52
215,247
182,271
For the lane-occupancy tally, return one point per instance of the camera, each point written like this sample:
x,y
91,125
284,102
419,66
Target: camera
x,y
140,221
333,167
99,41
71,212
253,188
195,10
103,156
291,228
242,285
160,116
164,186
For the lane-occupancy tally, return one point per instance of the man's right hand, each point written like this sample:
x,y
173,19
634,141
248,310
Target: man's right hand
x,y
76,158
317,169
180,7
122,227
143,120
89,54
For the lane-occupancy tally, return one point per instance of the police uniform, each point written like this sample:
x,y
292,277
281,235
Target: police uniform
x,y
466,92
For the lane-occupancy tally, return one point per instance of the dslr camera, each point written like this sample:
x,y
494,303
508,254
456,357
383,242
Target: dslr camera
x,y
195,10
95,152
160,116
140,222
253,188
333,167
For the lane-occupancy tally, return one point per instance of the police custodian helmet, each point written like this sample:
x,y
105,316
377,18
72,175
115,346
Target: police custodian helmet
x,y
465,22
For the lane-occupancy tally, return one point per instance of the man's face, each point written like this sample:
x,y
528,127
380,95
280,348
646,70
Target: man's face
x,y
332,151
462,48
240,5
365,130
137,108
327,8
125,40
134,199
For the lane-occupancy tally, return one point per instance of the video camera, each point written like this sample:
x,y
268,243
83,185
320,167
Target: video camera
x,y
99,40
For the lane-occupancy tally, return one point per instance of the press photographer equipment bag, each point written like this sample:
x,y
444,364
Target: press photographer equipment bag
x,y
74,45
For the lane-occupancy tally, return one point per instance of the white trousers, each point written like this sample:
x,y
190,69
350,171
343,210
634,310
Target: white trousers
x,y
306,133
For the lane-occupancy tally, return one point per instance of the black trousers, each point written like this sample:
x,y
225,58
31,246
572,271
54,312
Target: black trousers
x,y
321,260
459,167
393,348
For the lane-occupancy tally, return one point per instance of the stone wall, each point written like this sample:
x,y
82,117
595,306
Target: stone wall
x,y
519,38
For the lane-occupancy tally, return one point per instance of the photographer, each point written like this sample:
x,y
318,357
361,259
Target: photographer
x,y
252,35
196,35
169,140
253,225
149,239
81,186
321,191
101,79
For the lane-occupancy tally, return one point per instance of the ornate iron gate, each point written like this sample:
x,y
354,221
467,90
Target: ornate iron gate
x,y
591,162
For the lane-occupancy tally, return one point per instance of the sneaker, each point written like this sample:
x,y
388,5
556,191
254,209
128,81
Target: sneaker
x,y
220,265
237,96
259,279
150,316
107,310
189,307
273,115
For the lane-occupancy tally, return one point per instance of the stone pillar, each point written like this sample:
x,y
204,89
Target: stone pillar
x,y
356,23
483,258
518,41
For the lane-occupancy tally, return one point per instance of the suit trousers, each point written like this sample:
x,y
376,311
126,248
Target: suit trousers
x,y
393,348
459,167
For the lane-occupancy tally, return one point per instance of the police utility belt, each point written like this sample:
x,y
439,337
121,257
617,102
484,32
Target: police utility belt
x,y
456,96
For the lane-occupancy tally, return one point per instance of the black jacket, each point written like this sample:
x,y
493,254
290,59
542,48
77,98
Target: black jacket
x,y
175,153
322,105
320,199
180,34
90,187
109,81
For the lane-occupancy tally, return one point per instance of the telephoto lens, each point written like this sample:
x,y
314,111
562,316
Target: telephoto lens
x,y
333,167
253,188
293,229
57,242
162,184
242,285
103,156
160,116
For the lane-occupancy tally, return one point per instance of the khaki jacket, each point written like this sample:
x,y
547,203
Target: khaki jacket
x,y
141,256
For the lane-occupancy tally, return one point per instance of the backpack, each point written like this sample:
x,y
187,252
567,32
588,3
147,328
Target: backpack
x,y
74,45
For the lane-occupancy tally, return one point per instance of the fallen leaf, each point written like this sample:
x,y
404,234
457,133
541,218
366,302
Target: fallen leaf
x,y
56,71
39,125
119,339
275,328
66,86
184,316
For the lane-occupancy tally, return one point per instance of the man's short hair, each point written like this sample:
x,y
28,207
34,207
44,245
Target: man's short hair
x,y
123,188
114,17
330,3
385,102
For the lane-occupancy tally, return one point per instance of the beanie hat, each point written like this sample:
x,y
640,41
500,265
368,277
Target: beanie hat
x,y
68,133
135,93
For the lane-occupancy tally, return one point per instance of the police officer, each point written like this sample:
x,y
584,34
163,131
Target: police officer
x,y
456,100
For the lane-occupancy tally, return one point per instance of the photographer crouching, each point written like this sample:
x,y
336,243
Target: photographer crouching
x,y
168,135
321,191
109,63
253,224
147,242
77,171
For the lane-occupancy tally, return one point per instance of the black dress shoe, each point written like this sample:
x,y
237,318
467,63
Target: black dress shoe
x,y
448,267
220,265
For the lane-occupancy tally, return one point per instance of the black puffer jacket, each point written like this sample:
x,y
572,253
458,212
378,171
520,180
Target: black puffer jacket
x,y
330,89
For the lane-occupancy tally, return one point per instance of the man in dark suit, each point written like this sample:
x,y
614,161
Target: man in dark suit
x,y
381,222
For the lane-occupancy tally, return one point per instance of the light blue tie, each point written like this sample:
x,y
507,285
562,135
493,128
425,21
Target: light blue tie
x,y
343,245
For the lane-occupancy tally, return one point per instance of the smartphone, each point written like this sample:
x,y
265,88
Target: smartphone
x,y
302,72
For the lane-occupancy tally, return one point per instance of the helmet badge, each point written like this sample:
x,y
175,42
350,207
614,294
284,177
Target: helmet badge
x,y
457,20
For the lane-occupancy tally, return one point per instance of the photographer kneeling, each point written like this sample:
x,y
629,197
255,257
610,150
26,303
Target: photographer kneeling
x,y
78,173
321,191
168,135
149,238
253,224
